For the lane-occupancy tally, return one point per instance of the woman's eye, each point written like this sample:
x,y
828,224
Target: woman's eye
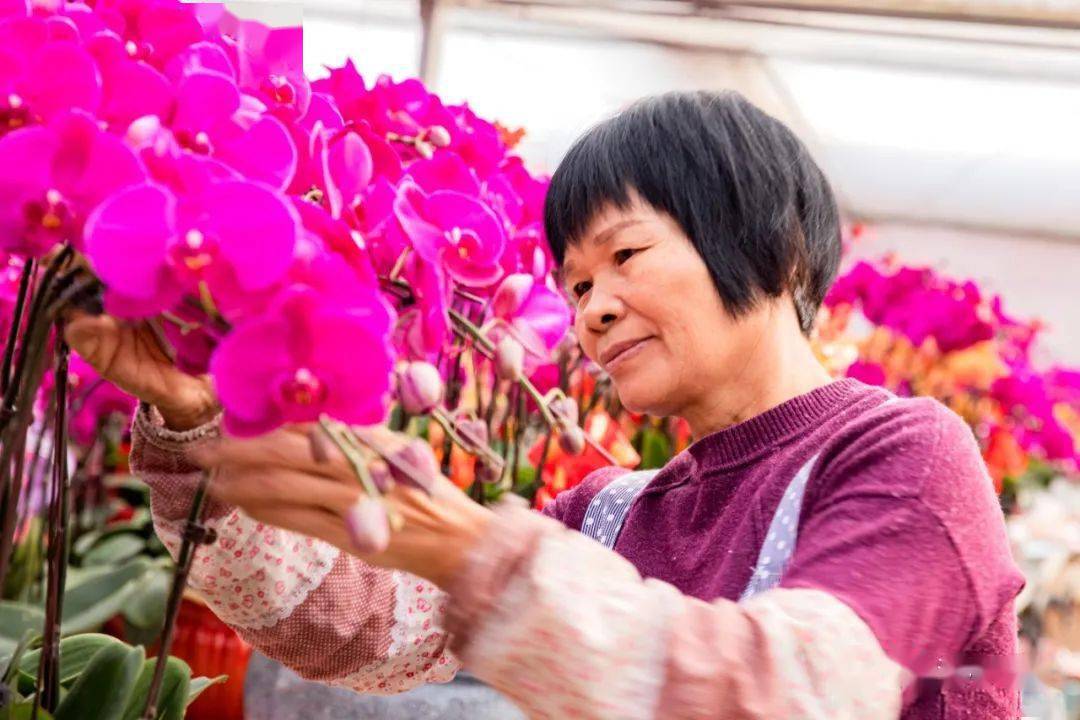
x,y
623,255
581,288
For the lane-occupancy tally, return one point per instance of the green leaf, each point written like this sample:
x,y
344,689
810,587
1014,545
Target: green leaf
x,y
100,593
25,711
115,549
655,449
75,653
200,684
105,686
25,562
146,607
15,619
11,669
85,542
175,687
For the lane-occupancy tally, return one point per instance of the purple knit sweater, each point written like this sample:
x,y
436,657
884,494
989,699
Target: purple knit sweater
x,y
899,521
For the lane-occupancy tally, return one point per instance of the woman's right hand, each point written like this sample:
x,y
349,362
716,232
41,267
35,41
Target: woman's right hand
x,y
130,356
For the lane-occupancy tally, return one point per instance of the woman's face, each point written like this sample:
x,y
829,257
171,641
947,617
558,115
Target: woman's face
x,y
649,314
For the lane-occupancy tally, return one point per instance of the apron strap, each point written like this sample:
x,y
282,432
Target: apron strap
x,y
608,509
779,543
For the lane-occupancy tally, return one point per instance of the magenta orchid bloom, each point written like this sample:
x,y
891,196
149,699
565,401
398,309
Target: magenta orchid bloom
x,y
210,118
302,358
531,310
52,176
476,140
42,76
453,230
322,116
444,171
270,65
131,88
424,330
345,166
151,246
156,29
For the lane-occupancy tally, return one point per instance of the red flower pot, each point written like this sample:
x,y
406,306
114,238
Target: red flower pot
x,y
212,648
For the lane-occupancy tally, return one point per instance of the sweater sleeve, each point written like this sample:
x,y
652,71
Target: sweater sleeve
x,y
567,628
324,613
904,528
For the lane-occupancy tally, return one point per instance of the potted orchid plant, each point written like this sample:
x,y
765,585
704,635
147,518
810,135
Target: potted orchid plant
x,y
337,252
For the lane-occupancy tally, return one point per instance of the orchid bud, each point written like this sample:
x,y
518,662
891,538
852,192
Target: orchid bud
x,y
596,372
509,358
381,476
368,525
512,292
572,440
489,473
321,447
438,136
565,411
474,432
415,464
420,387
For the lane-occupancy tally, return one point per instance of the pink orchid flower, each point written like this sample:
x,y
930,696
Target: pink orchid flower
x,y
453,230
444,171
210,118
52,176
157,29
322,116
423,330
131,88
270,63
41,76
531,310
302,358
151,246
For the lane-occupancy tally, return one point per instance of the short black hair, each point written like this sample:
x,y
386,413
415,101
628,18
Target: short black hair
x,y
739,183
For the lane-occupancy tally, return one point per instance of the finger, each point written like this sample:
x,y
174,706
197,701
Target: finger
x,y
280,449
90,334
253,487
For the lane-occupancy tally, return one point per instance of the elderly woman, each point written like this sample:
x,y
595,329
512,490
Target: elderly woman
x,y
823,550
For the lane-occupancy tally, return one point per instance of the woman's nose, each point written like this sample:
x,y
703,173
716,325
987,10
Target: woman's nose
x,y
602,309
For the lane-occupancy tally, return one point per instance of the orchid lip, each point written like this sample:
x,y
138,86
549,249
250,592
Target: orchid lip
x,y
609,356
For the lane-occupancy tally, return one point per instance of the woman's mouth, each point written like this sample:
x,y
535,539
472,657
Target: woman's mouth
x,y
613,357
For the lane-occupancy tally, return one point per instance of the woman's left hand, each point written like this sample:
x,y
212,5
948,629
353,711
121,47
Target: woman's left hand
x,y
275,479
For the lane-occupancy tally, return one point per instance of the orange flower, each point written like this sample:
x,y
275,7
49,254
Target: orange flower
x,y
562,472
462,464
1004,457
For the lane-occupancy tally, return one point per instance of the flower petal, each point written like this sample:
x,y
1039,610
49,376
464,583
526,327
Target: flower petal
x,y
257,230
64,77
127,238
202,56
25,170
349,167
204,100
265,153
244,368
169,29
444,171
354,364
90,164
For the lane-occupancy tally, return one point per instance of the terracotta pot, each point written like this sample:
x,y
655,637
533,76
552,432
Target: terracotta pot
x,y
211,648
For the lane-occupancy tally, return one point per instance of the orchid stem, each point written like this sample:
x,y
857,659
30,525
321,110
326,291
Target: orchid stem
x,y
16,324
485,344
194,535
